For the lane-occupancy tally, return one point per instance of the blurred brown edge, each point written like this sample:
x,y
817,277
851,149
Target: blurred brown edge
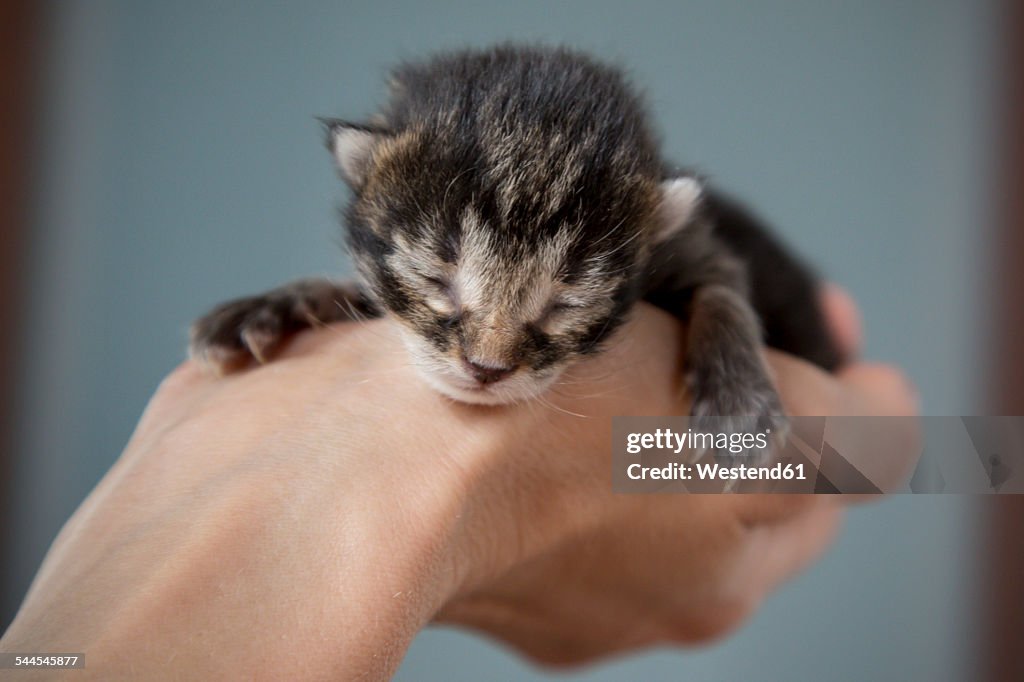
x,y
20,49
1004,587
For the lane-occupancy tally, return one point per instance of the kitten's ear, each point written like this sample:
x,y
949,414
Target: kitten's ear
x,y
680,197
351,144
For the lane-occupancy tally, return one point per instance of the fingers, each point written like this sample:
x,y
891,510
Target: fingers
x,y
805,389
843,319
881,386
862,389
784,549
874,388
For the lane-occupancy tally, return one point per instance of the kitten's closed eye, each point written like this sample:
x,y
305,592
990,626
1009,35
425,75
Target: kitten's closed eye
x,y
558,309
560,306
438,283
440,296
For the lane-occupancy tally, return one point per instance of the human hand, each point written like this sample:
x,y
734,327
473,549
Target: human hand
x,y
652,569
305,519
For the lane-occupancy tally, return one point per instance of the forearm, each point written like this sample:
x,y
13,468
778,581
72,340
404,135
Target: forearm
x,y
267,569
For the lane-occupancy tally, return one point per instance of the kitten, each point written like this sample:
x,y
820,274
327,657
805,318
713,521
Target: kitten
x,y
509,208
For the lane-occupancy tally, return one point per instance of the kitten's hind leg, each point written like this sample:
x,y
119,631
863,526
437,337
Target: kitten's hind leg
x,y
234,333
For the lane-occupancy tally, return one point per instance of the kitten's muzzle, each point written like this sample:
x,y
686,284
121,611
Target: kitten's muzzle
x,y
485,374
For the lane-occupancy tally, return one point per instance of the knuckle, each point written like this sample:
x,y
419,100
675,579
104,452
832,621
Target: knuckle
x,y
712,622
185,375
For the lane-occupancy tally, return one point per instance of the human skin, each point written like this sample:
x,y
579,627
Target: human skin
x,y
305,519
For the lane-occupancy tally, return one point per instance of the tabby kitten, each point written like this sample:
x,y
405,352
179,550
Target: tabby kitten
x,y
510,206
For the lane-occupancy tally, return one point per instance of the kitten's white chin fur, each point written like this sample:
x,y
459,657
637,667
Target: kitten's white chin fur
x,y
513,390
445,378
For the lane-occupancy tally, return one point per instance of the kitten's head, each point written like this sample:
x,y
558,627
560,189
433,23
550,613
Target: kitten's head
x,y
501,277
503,208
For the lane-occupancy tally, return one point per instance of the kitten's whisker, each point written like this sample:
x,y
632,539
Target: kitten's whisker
x,y
354,315
610,232
583,396
636,235
547,403
357,317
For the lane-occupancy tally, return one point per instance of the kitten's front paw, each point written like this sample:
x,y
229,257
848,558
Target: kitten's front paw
x,y
253,328
236,332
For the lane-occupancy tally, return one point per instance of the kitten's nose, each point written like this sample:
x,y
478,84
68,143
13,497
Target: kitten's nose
x,y
485,374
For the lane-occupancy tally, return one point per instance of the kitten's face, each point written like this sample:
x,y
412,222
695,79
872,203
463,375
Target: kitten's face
x,y
498,286
500,278
494,320
499,321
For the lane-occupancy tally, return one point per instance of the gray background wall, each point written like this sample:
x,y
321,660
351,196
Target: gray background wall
x,y
181,165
